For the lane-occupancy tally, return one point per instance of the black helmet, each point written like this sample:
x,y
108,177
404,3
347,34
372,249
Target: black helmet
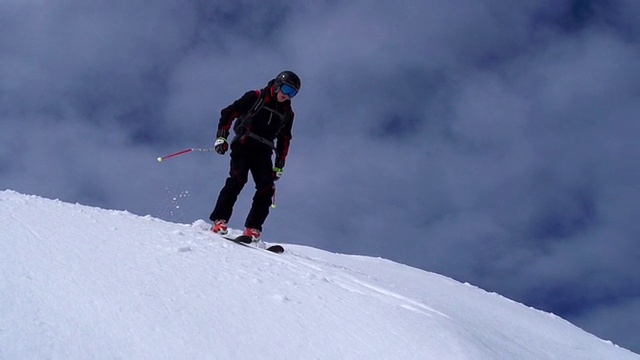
x,y
289,78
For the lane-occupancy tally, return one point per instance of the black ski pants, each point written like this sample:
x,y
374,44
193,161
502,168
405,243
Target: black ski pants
x,y
245,159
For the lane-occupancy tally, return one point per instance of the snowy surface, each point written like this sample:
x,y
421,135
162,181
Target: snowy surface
x,y
78,282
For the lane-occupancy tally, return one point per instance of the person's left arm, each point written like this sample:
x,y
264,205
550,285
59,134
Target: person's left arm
x,y
283,141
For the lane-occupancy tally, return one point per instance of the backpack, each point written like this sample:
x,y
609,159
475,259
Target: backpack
x,y
241,126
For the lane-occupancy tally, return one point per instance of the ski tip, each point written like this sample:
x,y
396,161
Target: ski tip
x,y
276,249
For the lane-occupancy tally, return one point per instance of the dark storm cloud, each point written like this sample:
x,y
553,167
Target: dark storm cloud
x,y
501,144
494,142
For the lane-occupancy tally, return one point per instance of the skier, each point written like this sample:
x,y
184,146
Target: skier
x,y
262,116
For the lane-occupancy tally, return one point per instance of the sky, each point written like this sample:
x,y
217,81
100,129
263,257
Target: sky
x,y
117,285
496,140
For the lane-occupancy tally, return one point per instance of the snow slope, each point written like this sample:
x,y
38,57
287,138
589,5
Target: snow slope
x,y
78,282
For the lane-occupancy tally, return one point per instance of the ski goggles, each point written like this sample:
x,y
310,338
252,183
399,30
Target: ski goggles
x,y
288,90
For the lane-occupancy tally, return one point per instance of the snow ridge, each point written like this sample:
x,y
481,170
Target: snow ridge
x,y
79,282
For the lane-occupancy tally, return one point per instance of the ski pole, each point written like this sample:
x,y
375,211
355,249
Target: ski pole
x,y
273,199
160,158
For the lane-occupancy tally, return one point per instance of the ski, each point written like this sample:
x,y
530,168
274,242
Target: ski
x,y
245,240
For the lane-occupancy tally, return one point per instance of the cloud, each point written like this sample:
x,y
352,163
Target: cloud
x,y
612,321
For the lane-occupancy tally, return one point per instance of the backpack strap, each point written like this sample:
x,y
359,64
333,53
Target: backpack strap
x,y
242,124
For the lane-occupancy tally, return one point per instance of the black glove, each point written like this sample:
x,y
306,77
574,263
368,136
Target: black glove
x,y
221,145
278,168
277,173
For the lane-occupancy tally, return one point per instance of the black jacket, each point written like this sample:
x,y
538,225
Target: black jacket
x,y
273,121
